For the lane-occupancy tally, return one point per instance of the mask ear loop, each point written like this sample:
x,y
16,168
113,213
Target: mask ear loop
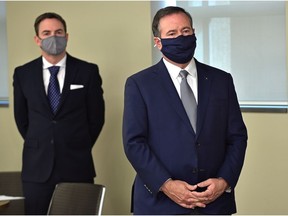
x,y
159,40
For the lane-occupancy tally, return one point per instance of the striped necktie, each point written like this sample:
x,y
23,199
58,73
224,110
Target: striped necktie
x,y
54,89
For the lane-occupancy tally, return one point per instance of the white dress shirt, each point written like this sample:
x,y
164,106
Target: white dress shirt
x,y
191,77
60,75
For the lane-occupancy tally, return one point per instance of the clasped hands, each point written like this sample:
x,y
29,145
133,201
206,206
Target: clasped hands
x,y
186,195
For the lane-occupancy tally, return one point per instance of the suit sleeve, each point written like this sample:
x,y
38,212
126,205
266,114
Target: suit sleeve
x,y
236,140
20,106
95,104
136,139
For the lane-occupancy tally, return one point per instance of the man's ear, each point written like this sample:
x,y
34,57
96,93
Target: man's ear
x,y
157,43
37,40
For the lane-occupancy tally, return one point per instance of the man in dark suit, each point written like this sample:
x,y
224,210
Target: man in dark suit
x,y
184,165
59,120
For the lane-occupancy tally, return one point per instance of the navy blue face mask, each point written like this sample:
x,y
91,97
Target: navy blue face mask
x,y
181,49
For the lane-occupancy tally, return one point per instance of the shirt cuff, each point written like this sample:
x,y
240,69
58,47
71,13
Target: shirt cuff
x,y
164,183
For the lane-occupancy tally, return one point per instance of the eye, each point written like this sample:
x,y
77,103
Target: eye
x,y
46,33
187,32
171,34
59,32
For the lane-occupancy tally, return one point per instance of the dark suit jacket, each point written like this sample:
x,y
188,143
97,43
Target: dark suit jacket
x,y
60,143
160,143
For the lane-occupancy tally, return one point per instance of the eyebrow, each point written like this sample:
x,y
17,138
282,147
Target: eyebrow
x,y
171,31
48,31
187,27
184,28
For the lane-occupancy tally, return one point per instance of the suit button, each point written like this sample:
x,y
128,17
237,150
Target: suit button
x,y
52,141
195,170
54,122
198,144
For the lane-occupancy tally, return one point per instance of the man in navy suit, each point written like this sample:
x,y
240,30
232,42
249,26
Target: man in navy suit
x,y
57,139
181,169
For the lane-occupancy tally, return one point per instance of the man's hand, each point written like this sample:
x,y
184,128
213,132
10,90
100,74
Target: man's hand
x,y
182,193
215,188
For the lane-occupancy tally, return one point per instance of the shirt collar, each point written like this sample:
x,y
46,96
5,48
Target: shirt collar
x,y
174,70
61,63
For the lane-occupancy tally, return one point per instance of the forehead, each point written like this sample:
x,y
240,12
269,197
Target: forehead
x,y
50,24
174,21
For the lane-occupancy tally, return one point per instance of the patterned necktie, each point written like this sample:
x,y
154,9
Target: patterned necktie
x,y
54,89
188,99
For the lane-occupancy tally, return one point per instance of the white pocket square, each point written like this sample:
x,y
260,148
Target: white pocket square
x,y
73,86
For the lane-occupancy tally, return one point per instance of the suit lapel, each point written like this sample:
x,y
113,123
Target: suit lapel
x,y
39,83
174,98
204,86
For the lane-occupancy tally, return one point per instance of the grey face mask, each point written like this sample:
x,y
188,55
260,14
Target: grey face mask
x,y
54,45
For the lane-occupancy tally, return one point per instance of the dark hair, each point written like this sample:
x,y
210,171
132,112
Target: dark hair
x,y
48,15
164,12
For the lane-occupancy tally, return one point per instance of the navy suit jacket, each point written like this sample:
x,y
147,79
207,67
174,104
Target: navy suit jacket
x,y
58,143
160,143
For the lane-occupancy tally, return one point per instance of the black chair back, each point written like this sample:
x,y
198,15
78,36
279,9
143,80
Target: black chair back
x,y
77,199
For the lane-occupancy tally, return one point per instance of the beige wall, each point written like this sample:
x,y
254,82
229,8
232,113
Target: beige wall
x,y
117,36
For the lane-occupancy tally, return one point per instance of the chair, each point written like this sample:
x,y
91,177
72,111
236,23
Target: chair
x,y
77,199
11,185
